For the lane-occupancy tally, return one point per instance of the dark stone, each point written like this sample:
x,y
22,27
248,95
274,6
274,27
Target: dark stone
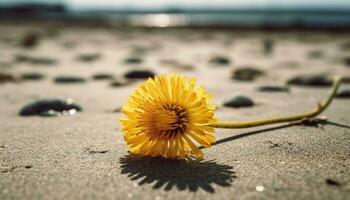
x,y
43,107
35,60
273,88
133,60
332,182
102,76
69,79
239,101
344,93
311,80
89,57
32,76
30,40
28,166
347,61
268,46
4,78
139,74
220,60
246,74
117,83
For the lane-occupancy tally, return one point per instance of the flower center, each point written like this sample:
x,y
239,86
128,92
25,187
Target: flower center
x,y
170,120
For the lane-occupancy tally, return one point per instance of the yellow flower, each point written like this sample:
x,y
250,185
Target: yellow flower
x,y
168,116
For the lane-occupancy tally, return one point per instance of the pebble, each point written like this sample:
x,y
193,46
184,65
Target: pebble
x,y
246,74
344,93
67,79
102,76
273,88
310,80
89,57
32,76
50,107
220,60
117,83
35,60
239,101
347,61
4,78
133,60
268,46
332,182
30,40
139,74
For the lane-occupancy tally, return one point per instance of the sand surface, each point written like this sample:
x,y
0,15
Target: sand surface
x,y
84,156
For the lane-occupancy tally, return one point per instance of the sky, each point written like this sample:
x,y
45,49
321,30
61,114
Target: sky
x,y
102,4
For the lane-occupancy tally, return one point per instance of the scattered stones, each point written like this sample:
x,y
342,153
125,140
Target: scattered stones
x,y
246,74
89,57
30,40
311,80
220,60
344,93
273,88
102,76
239,101
69,79
35,60
32,76
332,182
4,78
133,60
139,74
50,107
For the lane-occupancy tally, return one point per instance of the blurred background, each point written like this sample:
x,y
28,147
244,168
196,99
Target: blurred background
x,y
163,13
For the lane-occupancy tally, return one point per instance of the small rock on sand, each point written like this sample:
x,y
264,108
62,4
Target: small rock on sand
x,y
68,79
30,40
32,76
310,80
5,77
239,101
246,74
220,60
273,88
344,93
49,107
133,60
89,57
139,74
35,60
102,76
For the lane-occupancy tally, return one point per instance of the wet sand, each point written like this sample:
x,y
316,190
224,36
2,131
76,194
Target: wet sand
x,y
84,156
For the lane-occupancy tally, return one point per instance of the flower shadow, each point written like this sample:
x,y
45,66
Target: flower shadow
x,y
183,175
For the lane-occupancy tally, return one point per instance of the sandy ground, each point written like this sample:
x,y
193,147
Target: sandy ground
x,y
85,157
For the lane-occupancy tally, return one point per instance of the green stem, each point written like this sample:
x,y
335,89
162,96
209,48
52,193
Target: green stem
x,y
261,122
